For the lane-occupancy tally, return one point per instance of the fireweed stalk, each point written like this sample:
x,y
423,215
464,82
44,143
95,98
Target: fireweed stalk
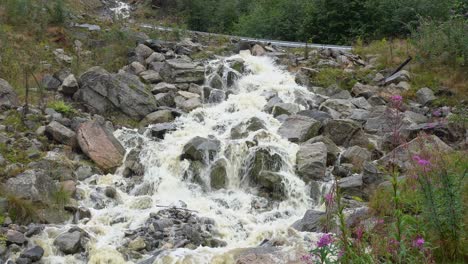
x,y
395,118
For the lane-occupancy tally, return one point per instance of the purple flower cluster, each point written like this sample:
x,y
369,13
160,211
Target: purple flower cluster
x,y
418,242
325,240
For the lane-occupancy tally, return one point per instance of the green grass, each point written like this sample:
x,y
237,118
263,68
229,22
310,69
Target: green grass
x,y
62,107
61,197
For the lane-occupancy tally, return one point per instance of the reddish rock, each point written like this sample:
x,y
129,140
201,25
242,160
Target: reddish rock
x,y
100,145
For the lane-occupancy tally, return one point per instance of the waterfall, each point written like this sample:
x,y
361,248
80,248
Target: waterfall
x,y
165,181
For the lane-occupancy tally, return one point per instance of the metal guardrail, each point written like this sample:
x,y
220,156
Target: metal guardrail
x,y
288,44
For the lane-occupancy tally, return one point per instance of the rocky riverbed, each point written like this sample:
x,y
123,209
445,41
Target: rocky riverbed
x,y
227,159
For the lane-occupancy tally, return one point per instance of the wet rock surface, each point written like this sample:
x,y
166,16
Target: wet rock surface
x,y
174,228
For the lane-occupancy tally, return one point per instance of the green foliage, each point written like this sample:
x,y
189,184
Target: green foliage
x,y
442,42
57,12
14,119
62,107
331,76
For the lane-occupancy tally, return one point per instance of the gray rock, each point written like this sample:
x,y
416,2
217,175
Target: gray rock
x,y
201,149
105,93
181,71
258,50
69,85
150,76
352,185
8,97
285,109
216,82
164,88
332,149
32,185
366,91
34,254
61,134
15,237
216,96
311,161
340,131
243,129
311,222
161,116
356,156
359,115
160,130
299,128
83,172
135,68
190,104
361,102
133,164
402,156
425,96
342,106
155,57
165,99
401,76
50,83
143,51
315,114
69,242
218,174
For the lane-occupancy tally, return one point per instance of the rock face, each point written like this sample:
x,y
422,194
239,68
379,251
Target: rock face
x,y
61,133
299,128
312,161
100,145
182,71
32,185
105,93
356,155
218,175
310,222
8,98
161,116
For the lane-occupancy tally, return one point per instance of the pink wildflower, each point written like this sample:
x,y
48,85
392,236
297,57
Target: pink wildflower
x,y
422,162
325,240
329,198
418,242
359,233
396,98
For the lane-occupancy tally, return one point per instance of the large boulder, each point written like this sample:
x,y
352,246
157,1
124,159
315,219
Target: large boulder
x,y
312,161
100,145
342,106
201,149
357,156
61,133
105,93
345,132
333,151
218,174
262,170
299,128
311,222
182,71
33,185
34,254
8,97
70,242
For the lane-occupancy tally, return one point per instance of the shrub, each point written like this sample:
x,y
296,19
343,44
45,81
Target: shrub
x,y
61,197
442,42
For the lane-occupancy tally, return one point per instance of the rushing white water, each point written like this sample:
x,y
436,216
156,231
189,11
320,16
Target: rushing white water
x,y
238,223
122,10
